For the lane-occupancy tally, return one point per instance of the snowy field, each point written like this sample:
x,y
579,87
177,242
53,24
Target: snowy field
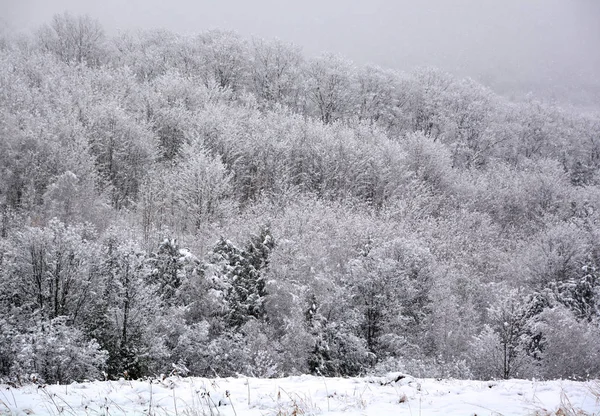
x,y
305,395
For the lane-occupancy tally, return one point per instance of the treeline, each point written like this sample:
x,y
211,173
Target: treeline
x,y
213,205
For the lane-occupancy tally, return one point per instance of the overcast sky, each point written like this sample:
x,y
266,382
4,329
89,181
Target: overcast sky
x,y
501,42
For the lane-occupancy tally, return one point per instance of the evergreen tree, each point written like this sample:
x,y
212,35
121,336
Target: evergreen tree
x,y
337,351
167,270
242,272
581,294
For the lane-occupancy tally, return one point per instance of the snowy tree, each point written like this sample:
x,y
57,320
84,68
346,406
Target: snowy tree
x,y
337,350
122,149
581,293
377,94
61,198
8,347
73,39
329,84
49,271
166,269
570,345
429,163
170,269
375,294
188,197
276,72
504,347
428,107
554,258
470,116
226,59
121,317
242,274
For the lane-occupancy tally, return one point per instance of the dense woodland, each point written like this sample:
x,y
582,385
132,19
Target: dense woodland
x,y
213,205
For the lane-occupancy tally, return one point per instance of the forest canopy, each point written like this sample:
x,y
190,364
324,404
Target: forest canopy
x,y
215,205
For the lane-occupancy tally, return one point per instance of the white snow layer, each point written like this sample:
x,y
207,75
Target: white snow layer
x,y
393,394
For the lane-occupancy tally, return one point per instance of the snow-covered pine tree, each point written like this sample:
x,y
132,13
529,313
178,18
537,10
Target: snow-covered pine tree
x,y
319,359
166,270
242,273
581,294
259,248
337,350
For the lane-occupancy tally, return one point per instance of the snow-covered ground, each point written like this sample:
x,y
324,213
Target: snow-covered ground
x,y
305,395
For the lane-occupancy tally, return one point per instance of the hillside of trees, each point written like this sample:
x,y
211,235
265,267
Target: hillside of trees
x,y
214,205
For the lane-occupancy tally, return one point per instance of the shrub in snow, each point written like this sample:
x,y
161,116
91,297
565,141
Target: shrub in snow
x,y
263,353
226,355
571,346
338,352
424,367
59,353
296,345
186,344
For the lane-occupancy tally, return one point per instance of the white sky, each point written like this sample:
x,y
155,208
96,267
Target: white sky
x,y
502,42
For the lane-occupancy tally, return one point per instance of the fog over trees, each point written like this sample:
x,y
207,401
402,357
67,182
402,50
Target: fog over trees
x,y
547,47
215,204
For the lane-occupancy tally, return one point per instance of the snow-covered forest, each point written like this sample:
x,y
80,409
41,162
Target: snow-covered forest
x,y
213,205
